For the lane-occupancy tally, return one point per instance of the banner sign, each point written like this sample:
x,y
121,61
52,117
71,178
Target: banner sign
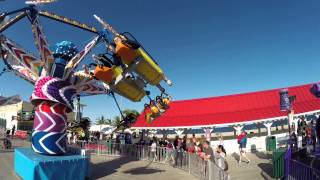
x,y
315,90
285,104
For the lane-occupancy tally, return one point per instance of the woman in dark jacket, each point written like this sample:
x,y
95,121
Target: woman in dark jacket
x,y
318,129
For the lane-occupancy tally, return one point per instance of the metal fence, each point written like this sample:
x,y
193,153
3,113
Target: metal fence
x,y
295,170
189,162
287,158
298,170
9,143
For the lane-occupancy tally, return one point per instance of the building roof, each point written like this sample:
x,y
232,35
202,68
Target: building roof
x,y
231,109
10,100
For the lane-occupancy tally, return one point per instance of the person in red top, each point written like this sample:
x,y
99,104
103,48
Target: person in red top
x,y
191,148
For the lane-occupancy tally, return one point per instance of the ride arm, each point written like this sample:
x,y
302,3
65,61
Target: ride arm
x,y
93,88
11,21
21,57
68,21
75,61
42,44
18,70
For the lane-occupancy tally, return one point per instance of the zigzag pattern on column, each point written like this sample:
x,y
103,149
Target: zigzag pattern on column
x,y
50,118
53,98
53,143
50,124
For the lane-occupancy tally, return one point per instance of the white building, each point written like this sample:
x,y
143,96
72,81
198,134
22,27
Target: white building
x,y
20,113
257,113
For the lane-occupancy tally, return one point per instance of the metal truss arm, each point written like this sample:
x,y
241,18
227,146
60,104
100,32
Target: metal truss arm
x,y
12,21
68,21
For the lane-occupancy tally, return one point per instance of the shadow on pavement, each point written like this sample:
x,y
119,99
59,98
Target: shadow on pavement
x,y
262,155
266,167
6,150
235,156
103,169
143,170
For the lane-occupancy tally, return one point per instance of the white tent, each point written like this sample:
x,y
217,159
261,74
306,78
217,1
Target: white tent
x,y
105,129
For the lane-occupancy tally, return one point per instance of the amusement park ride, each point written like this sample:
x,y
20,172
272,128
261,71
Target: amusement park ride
x,y
125,68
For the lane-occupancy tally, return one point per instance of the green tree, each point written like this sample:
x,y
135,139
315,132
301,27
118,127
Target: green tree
x,y
117,122
132,112
129,118
102,120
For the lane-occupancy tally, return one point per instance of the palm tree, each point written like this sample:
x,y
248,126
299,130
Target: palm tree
x,y
102,120
132,112
129,117
117,122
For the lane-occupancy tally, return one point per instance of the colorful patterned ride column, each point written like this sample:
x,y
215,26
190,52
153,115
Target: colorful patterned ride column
x,y
53,99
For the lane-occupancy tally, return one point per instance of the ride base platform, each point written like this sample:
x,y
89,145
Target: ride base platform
x,y
33,166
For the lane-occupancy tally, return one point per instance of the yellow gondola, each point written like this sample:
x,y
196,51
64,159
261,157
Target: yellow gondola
x,y
145,65
125,87
129,89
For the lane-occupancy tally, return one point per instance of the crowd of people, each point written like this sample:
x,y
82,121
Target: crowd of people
x,y
307,134
175,150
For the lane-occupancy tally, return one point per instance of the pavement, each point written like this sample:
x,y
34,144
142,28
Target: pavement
x,y
111,168
259,168
124,168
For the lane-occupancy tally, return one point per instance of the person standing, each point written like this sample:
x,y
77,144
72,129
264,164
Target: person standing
x,y
154,149
69,137
242,147
207,151
294,140
184,143
221,140
170,154
318,129
313,134
220,159
208,156
220,156
13,130
176,148
194,139
75,139
302,126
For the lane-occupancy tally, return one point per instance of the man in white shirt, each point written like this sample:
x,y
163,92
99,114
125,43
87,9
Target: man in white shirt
x,y
154,149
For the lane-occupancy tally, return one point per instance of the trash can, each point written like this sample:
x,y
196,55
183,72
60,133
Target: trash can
x,y
109,146
270,143
278,163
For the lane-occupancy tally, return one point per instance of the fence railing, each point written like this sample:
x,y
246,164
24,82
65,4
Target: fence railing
x,y
9,143
298,170
189,162
287,159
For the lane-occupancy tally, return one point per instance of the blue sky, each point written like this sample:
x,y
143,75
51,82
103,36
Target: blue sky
x,y
208,48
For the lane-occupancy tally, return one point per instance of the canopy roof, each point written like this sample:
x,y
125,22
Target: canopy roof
x,y
10,100
104,128
231,109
